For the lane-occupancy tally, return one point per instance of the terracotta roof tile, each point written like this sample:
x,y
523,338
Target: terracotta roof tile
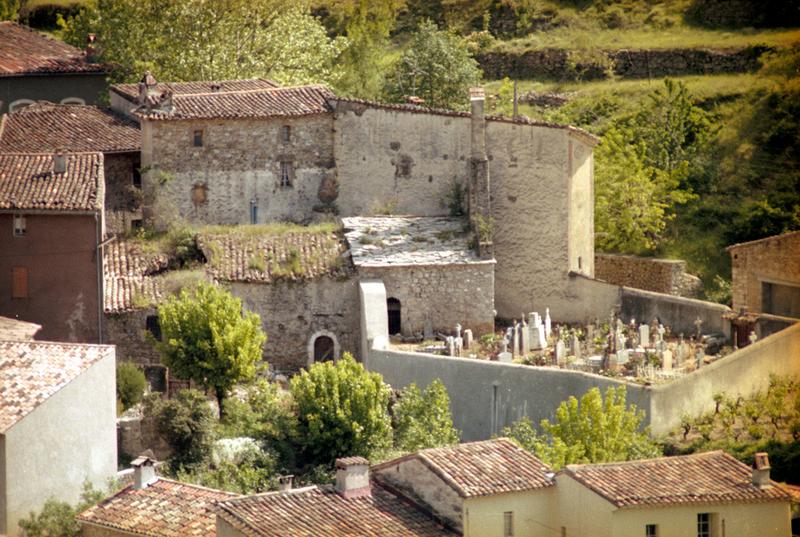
x,y
16,330
24,51
32,371
27,181
46,127
129,270
165,508
131,91
316,511
484,468
690,479
261,103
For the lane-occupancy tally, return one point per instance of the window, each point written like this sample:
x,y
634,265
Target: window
x,y
286,174
508,524
136,224
286,134
651,530
197,138
253,212
153,326
137,176
20,227
19,282
703,525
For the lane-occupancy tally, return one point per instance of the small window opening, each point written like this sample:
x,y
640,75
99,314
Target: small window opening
x,y
153,326
137,176
286,134
703,525
651,530
19,282
286,174
253,212
197,138
20,225
393,309
136,224
508,524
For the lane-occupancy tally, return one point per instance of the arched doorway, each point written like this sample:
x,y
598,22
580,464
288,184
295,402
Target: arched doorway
x,y
323,349
393,309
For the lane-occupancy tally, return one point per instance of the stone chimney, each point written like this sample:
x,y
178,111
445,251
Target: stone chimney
x,y
285,482
352,477
59,162
144,470
480,207
761,471
91,50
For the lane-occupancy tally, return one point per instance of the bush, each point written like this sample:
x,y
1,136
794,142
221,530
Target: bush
x,y
57,519
131,384
423,419
253,470
186,423
45,16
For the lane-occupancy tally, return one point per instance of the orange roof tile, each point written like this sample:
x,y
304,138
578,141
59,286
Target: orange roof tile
x,y
24,51
32,371
689,479
131,91
128,274
165,508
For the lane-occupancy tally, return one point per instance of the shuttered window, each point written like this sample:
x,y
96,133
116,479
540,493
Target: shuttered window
x,y
19,282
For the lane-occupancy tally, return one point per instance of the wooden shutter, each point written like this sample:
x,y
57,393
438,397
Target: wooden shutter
x,y
19,282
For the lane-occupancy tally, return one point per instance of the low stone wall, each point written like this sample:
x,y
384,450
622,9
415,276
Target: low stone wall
x,y
128,331
678,313
652,63
137,434
666,276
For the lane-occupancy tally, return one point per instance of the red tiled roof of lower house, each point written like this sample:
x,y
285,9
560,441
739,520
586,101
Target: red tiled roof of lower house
x,y
25,52
261,103
16,330
128,276
317,511
484,468
27,181
710,477
47,127
131,91
165,508
32,371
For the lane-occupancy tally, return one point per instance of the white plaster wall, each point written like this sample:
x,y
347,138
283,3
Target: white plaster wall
x,y
532,514
581,211
582,512
69,438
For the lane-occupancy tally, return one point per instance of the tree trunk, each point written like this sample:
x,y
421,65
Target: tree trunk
x,y
220,393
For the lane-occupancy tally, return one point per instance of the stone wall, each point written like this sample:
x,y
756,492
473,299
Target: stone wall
x,y
641,63
678,313
128,331
294,313
239,164
442,295
123,199
666,276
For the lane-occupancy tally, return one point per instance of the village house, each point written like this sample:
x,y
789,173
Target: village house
x,y
49,128
35,67
51,211
57,424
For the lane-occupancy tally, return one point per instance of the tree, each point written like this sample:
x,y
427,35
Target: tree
x,y
436,67
205,338
342,410
423,419
131,384
187,423
594,430
57,519
209,39
9,10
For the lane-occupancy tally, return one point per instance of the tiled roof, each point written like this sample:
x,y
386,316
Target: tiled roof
x,y
165,508
131,91
16,330
317,511
32,371
408,240
261,103
45,127
483,468
245,255
27,181
24,51
128,277
690,479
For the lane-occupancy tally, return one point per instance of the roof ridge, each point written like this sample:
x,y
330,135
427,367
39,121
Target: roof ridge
x,y
270,493
59,343
47,153
233,495
698,455
242,91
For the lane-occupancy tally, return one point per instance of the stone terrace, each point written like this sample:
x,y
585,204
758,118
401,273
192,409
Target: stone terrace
x,y
403,240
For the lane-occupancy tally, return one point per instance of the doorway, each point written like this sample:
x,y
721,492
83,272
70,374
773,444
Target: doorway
x,y
393,309
324,349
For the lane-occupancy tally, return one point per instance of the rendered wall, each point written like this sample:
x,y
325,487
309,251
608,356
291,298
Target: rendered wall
x,y
582,300
532,514
676,312
442,294
238,162
582,512
774,260
68,438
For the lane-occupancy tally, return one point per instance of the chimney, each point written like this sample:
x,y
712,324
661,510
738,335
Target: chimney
x,y
761,471
216,87
352,477
91,51
285,482
144,470
59,162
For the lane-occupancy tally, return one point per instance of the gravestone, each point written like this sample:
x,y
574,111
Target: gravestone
x,y
427,330
525,339
644,335
541,335
699,355
576,346
561,353
459,345
451,346
515,339
468,338
548,325
666,360
505,357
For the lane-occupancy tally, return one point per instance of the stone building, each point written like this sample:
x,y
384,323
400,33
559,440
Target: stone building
x,y
47,128
57,424
35,67
766,275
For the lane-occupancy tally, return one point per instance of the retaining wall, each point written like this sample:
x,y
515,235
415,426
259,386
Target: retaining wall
x,y
677,312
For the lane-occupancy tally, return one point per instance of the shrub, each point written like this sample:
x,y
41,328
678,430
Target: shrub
x,y
57,519
46,16
423,419
253,471
131,384
186,423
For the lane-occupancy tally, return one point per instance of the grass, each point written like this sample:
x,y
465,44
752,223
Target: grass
x,y
271,230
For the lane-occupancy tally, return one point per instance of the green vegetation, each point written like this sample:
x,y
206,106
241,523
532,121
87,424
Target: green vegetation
x,y
57,519
186,422
596,429
131,384
207,338
422,419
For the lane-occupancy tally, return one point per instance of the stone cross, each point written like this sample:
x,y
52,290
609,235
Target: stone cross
x,y
752,337
548,324
661,331
458,329
468,338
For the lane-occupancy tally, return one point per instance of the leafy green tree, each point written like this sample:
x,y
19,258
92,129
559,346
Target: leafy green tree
x,y
423,419
205,338
597,429
342,410
186,422
57,519
131,383
209,39
9,10
252,472
436,67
